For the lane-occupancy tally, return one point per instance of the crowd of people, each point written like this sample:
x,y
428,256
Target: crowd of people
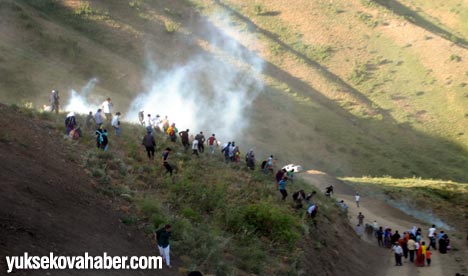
x,y
410,244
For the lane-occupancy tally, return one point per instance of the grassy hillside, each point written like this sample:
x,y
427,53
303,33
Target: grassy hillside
x,y
351,87
227,220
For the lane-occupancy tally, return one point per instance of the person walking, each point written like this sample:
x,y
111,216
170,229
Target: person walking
x,y
379,235
411,248
211,143
279,176
359,230
165,157
162,238
116,124
148,125
268,165
184,137
428,256
360,218
431,235
250,159
282,187
420,254
357,197
101,139
201,141
107,109
54,101
195,147
149,143
398,251
89,118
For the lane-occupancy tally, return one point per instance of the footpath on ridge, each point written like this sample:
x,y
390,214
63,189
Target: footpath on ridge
x,y
385,215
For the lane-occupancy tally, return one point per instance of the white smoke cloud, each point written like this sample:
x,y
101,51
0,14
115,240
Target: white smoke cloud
x,y
210,93
79,101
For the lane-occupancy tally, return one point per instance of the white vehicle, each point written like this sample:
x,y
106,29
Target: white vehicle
x,y
295,168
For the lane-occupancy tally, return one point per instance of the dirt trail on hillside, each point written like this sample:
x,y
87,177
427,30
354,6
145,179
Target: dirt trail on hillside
x,y
385,215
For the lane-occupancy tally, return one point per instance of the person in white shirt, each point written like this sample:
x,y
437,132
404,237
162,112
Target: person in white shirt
x,y
195,147
358,199
156,122
432,238
148,125
107,109
116,124
398,252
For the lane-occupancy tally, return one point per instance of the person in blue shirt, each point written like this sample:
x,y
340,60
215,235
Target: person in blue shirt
x,y
282,187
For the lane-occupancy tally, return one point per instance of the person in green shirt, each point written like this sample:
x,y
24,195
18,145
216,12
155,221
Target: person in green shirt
x,y
162,239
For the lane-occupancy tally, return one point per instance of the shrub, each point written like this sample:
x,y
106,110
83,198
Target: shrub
x,y
171,27
455,58
258,9
265,219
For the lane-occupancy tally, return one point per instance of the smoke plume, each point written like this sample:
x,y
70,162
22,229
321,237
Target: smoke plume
x,y
79,101
211,92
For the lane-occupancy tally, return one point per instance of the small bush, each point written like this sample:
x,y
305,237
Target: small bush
x,y
455,58
171,27
265,219
129,220
258,9
359,73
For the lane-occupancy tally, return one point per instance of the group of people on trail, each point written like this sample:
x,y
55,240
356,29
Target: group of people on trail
x,y
411,244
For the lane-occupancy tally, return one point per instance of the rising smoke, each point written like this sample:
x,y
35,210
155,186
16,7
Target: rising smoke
x,y
211,92
79,102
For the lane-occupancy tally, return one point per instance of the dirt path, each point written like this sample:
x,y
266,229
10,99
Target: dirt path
x,y
385,215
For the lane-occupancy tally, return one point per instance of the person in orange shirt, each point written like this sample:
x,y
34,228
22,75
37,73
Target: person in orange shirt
x,y
428,256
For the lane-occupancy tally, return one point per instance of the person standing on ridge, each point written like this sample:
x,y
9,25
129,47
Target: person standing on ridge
x,y
165,123
172,132
195,147
107,109
98,118
148,126
225,151
149,143
162,239
211,143
250,159
141,117
156,122
201,141
54,101
184,138
89,118
116,124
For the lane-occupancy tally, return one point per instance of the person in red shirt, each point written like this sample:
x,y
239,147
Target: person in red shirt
x,y
211,143
428,256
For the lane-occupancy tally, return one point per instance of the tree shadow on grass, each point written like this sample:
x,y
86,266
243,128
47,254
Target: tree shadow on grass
x,y
413,17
